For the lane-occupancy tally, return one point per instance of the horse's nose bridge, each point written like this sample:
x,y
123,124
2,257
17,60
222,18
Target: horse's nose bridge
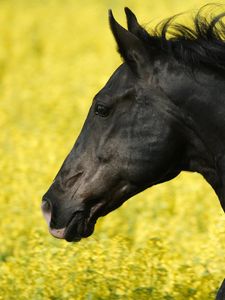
x,y
68,174
71,179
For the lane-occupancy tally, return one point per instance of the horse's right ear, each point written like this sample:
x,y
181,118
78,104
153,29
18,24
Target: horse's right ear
x,y
130,47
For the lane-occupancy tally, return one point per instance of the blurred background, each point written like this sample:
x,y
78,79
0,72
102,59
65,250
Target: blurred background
x,y
165,243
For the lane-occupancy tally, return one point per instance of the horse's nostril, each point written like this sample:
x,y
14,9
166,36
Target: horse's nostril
x,y
46,207
47,210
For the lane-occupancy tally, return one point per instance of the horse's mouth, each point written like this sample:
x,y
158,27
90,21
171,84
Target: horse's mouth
x,y
82,222
81,225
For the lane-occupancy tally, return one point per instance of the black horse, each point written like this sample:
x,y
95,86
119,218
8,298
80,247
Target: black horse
x,y
161,112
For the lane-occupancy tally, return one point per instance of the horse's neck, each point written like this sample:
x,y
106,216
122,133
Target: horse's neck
x,y
202,100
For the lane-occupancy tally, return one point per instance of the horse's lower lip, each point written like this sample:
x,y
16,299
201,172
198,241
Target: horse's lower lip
x,y
80,226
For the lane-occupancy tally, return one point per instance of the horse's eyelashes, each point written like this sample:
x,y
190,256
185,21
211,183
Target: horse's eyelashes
x,y
102,110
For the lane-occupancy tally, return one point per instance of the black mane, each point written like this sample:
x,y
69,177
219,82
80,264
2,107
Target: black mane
x,y
202,44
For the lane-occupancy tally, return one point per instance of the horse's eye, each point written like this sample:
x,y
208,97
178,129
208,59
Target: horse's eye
x,y
101,110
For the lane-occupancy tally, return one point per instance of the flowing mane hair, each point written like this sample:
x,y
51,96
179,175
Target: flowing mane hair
x,y
202,44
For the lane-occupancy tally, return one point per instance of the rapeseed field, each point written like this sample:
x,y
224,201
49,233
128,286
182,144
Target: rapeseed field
x,y
165,243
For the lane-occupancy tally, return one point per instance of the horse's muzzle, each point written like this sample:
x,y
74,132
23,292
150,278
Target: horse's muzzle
x,y
76,227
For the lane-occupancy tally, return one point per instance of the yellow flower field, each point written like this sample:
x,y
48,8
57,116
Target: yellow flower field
x,y
165,243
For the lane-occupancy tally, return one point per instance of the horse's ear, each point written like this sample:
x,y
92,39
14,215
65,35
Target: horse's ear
x,y
130,47
132,22
133,25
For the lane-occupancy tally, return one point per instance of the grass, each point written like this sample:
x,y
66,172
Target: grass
x,y
166,243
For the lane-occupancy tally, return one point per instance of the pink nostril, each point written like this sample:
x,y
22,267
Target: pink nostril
x,y
47,212
46,209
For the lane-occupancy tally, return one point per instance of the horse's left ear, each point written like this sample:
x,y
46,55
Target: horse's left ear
x,y
130,47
